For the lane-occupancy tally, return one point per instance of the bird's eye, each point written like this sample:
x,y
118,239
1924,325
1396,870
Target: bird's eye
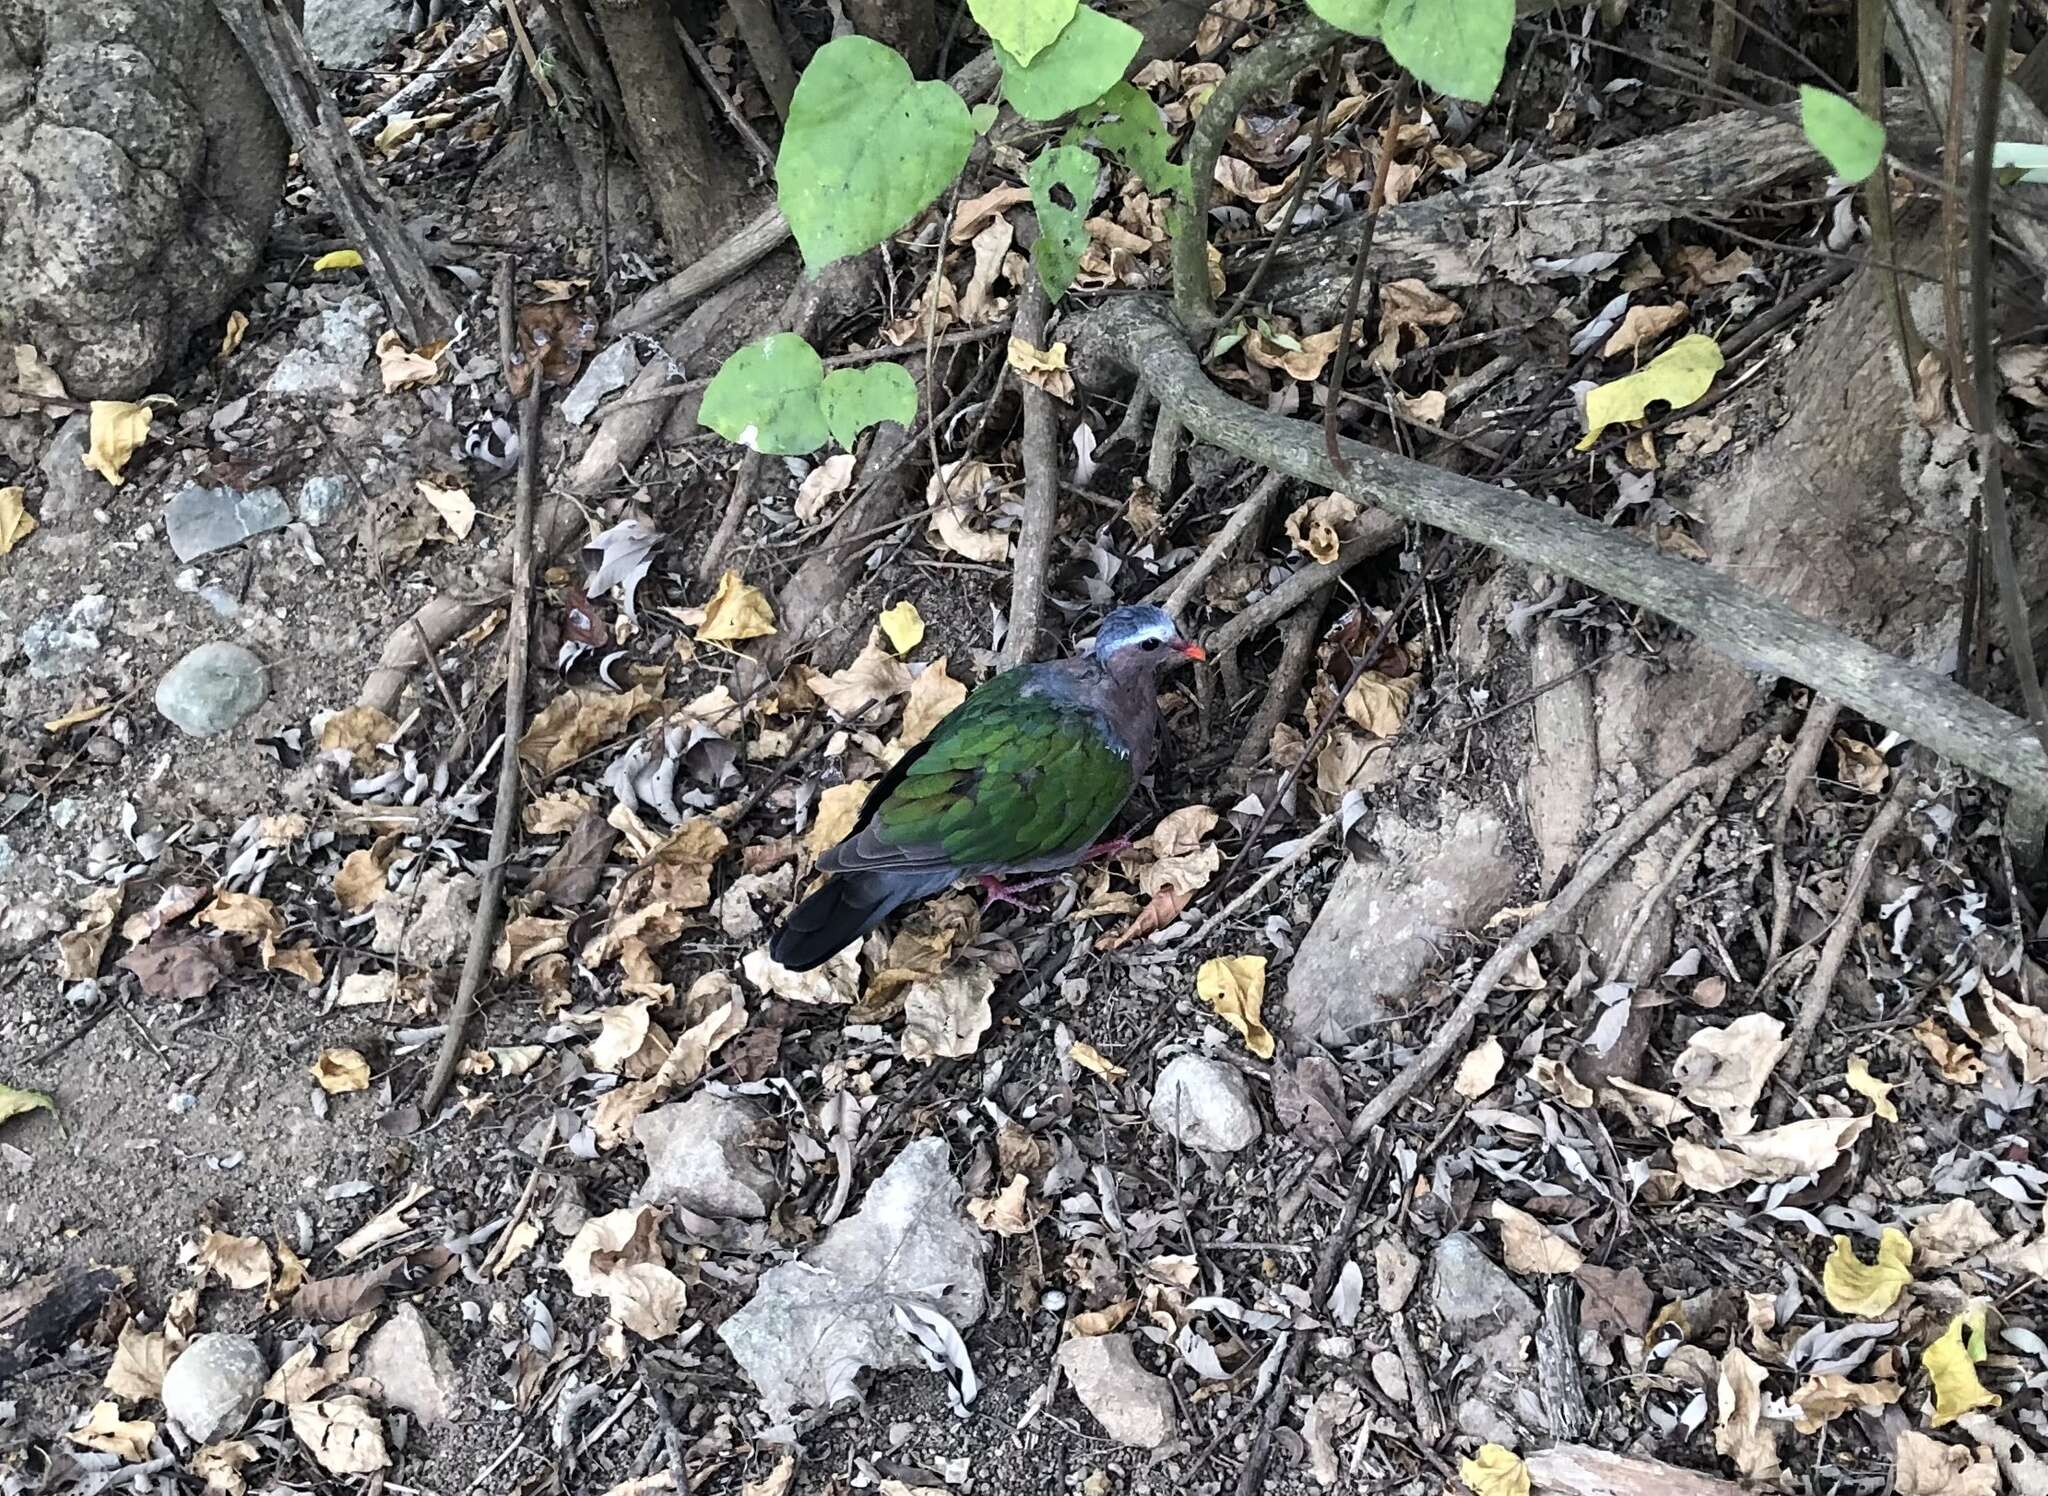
x,y
1151,643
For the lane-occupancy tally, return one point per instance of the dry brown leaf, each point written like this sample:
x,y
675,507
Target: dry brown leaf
x,y
1557,1077
1161,910
2023,1031
341,1071
360,882
140,1359
241,1261
1726,1069
838,808
1957,1230
386,1225
628,1041
979,304
1740,1433
822,484
105,1430
835,984
1643,324
80,949
954,496
1299,358
220,1466
1804,1147
974,213
1956,1063
1528,1246
1859,765
343,1434
1008,1213
1481,1068
1408,310
403,369
1700,267
1319,528
1234,987
1088,1057
301,1377
933,696
1044,367
1924,1466
1379,703
360,731
617,1257
944,1017
579,721
453,503
1829,1395
875,676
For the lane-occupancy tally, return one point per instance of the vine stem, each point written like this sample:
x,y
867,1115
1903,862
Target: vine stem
x,y
2019,636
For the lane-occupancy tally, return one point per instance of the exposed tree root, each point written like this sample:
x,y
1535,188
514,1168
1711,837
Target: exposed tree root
x,y
1041,458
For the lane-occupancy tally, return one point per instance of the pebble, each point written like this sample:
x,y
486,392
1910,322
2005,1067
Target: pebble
x,y
333,368
1133,1405
702,1154
612,370
212,1387
322,497
410,1360
200,521
212,688
1474,1294
72,485
438,932
59,644
1205,1104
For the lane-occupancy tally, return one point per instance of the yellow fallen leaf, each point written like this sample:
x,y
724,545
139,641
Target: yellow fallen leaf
x,y
1951,1364
237,328
1088,1057
1044,367
902,624
340,1071
933,695
107,1432
1864,1084
581,719
116,430
838,808
1677,376
340,259
14,1102
16,523
736,611
78,716
1495,1471
1235,987
1854,1288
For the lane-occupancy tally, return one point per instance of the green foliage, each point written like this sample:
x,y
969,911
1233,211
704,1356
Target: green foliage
x,y
1359,17
1062,229
866,149
855,399
1851,140
775,396
1024,27
1076,70
1129,126
1458,47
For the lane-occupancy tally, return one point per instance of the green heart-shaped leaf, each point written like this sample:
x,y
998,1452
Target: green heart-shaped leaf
x,y
1851,140
1062,227
1076,70
1130,126
866,149
1458,47
1024,27
855,399
766,396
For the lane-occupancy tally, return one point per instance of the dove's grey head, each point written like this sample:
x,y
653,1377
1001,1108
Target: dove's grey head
x,y
1142,638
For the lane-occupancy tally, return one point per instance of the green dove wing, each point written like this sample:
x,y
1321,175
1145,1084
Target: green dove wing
x,y
1011,778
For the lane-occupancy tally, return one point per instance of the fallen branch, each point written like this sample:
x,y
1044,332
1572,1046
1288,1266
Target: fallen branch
x,y
431,80
1377,531
1177,591
1452,1030
1297,654
1041,458
1137,333
398,269
1813,736
1848,920
1575,1470
491,898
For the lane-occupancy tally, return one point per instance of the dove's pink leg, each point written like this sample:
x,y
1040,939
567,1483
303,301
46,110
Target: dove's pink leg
x,y
996,891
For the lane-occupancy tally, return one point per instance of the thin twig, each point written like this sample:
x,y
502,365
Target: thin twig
x,y
1377,531
1389,136
1848,920
490,898
1041,458
1453,1029
1176,592
1806,749
701,65
2019,635
1297,653
540,79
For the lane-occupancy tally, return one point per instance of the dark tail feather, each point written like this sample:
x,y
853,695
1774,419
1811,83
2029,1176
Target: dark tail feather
x,y
846,908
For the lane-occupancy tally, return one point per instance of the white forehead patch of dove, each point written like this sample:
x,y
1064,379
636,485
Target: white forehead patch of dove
x,y
1128,626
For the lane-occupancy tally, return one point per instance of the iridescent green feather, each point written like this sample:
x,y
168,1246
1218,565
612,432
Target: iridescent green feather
x,y
1006,780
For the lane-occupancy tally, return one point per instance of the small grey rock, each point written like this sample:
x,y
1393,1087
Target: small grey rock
x,y
1391,1375
214,687
1134,1406
72,485
613,369
212,1387
60,644
1474,1294
354,33
1384,923
702,1155
1205,1104
438,931
200,521
410,1360
331,369
322,497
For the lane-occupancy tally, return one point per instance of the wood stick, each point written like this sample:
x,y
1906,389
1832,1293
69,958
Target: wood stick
x,y
430,81
1806,749
1177,591
1453,1029
766,49
1041,456
1848,919
491,898
1297,654
1759,632
1377,531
